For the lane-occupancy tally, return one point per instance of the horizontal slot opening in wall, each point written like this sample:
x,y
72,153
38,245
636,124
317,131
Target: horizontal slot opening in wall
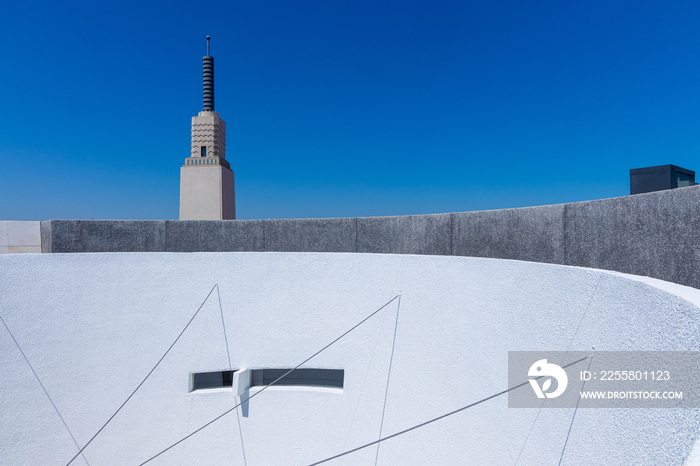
x,y
211,380
332,378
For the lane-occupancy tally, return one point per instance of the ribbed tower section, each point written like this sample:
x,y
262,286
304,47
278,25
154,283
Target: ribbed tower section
x,y
206,179
208,72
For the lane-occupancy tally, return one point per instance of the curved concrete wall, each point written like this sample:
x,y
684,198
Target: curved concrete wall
x,y
655,234
93,325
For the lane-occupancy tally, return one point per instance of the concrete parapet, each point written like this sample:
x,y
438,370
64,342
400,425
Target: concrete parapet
x,y
17,237
530,234
103,235
410,234
311,235
655,234
214,235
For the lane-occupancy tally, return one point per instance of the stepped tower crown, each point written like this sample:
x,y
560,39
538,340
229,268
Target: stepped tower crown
x,y
206,180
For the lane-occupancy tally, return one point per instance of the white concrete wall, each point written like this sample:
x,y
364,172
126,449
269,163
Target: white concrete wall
x,y
18,237
93,325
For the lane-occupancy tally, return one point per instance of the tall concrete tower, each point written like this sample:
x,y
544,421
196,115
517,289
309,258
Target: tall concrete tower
x,y
206,179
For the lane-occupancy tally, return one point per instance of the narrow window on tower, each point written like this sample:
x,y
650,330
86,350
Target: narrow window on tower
x,y
204,151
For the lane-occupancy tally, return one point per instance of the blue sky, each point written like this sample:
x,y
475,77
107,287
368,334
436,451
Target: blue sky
x,y
352,108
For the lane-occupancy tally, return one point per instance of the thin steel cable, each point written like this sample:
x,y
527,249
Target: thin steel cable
x,y
436,418
364,382
270,384
196,351
388,378
240,431
574,416
228,355
529,432
595,290
36,376
147,376
223,324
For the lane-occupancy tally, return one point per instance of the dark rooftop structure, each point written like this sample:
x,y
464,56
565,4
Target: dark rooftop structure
x,y
648,179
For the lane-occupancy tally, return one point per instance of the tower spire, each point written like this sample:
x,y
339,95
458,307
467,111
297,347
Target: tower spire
x,y
207,190
208,72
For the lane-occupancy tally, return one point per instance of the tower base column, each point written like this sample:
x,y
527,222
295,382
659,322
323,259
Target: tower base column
x,y
207,193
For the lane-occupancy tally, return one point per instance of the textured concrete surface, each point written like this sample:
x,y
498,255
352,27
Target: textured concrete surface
x,y
412,234
93,325
655,234
531,234
104,235
198,235
311,235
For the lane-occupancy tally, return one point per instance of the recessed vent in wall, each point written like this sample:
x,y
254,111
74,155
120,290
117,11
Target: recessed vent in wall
x,y
327,378
209,380
301,377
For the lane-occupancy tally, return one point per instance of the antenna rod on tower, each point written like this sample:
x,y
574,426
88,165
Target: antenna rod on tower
x,y
208,68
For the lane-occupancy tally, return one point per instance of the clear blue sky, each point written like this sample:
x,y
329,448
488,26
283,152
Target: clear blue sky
x,y
343,108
